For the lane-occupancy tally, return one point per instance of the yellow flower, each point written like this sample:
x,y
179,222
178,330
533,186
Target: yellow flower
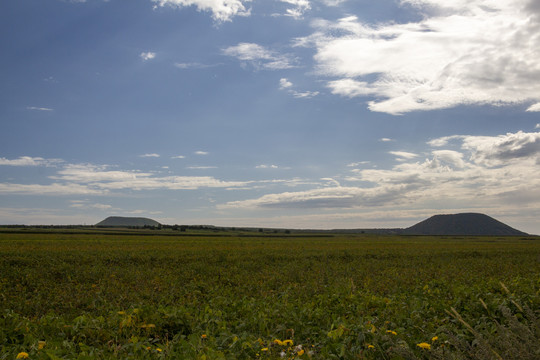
x,y
301,352
41,345
287,342
158,350
424,345
391,332
370,346
435,338
203,336
264,349
278,342
22,355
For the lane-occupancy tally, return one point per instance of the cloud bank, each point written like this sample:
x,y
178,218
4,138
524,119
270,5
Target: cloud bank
x,y
460,53
485,172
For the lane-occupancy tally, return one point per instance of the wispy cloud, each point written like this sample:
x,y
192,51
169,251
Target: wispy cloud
x,y
50,189
304,94
385,139
403,155
147,55
178,157
201,152
464,52
357,163
195,65
153,155
222,10
30,161
299,8
330,197
39,108
263,166
285,84
101,178
260,57
333,2
483,175
85,204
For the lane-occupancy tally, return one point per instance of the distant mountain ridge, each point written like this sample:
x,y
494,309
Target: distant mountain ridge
x,y
120,221
462,224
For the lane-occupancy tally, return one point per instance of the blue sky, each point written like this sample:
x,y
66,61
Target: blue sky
x,y
275,113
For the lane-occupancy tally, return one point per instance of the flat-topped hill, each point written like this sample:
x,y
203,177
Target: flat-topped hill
x,y
462,224
120,221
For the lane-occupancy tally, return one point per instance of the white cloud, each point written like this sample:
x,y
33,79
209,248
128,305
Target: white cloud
x,y
304,94
29,161
201,152
354,164
534,108
329,197
52,189
466,179
149,155
442,141
284,83
332,181
266,166
537,126
102,179
495,150
260,57
460,53
194,65
385,139
298,9
147,55
85,204
333,2
499,150
403,154
178,157
222,10
453,158
39,108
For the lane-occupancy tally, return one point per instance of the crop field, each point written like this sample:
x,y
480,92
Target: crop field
x,y
93,295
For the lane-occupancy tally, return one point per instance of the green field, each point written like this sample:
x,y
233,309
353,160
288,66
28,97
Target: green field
x,y
92,295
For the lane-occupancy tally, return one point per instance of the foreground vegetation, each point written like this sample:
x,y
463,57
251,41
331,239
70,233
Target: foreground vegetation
x,y
92,295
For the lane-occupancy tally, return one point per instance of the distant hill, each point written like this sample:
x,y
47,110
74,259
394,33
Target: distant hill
x,y
462,224
119,221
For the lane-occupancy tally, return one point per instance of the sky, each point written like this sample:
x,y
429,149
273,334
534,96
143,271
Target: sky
x,y
318,114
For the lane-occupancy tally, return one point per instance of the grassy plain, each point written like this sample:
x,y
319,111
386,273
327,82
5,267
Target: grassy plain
x,y
86,295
